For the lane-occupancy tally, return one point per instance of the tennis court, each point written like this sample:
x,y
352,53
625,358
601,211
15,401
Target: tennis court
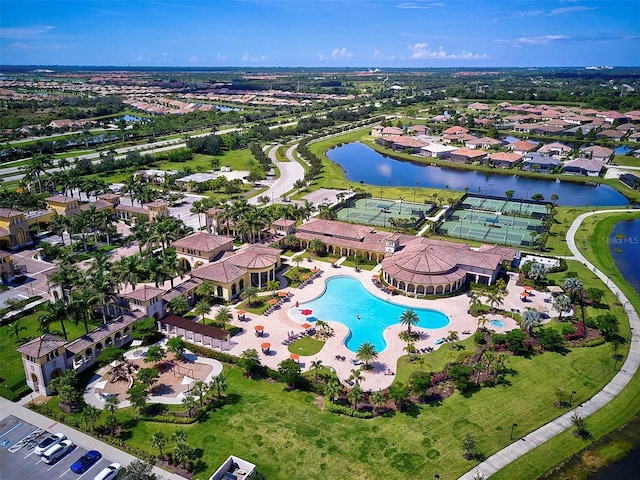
x,y
505,206
372,211
487,233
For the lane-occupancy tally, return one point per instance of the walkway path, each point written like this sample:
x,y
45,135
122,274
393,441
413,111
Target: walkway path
x,y
290,172
608,393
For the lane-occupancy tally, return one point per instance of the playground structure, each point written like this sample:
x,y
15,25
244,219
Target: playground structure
x,y
380,212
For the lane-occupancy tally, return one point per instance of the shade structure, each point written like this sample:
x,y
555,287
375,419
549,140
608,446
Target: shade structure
x,y
294,356
392,288
101,385
282,294
259,328
265,346
376,277
272,301
306,311
186,380
528,288
306,326
241,312
315,270
524,294
334,260
306,276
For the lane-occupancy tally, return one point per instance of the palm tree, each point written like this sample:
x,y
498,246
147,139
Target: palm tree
x,y
90,414
452,336
572,285
355,395
273,286
356,377
79,225
198,207
316,365
333,389
59,224
179,305
206,289
223,316
111,405
189,402
482,322
15,328
199,389
159,439
248,293
409,318
202,308
219,382
377,400
37,166
561,303
316,246
366,352
530,319
128,270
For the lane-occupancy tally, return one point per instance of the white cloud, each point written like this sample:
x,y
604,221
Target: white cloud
x,y
419,5
165,57
563,10
251,58
25,33
537,40
378,55
336,54
140,58
421,51
221,58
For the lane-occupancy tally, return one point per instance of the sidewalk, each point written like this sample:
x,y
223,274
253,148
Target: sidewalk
x,y
614,387
86,441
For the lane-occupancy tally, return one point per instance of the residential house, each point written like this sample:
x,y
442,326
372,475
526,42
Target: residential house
x,y
376,130
467,155
14,229
390,131
437,150
556,148
539,163
583,166
596,152
503,159
455,130
632,180
522,146
201,248
614,135
483,142
418,130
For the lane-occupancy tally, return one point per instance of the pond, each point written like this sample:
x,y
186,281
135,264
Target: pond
x,y
363,164
624,243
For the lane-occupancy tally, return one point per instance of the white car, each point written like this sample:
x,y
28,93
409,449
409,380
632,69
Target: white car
x,y
49,442
57,451
109,473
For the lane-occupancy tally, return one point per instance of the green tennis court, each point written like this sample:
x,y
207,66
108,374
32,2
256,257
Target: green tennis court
x,y
372,211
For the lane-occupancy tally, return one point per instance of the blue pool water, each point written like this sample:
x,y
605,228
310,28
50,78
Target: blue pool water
x,y
497,323
345,299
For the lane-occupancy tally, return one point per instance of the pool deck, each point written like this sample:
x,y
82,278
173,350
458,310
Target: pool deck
x,y
278,325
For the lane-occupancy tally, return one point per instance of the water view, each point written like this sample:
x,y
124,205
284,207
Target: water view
x,y
624,244
363,164
365,315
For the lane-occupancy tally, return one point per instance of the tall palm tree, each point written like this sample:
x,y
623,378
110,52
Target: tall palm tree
x,y
366,352
316,246
159,439
333,389
59,224
409,318
377,399
248,293
452,336
202,308
355,395
316,365
530,319
223,316
561,303
128,270
179,305
356,377
219,382
572,285
206,289
37,167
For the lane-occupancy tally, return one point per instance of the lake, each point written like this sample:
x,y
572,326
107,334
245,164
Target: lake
x,y
624,244
363,164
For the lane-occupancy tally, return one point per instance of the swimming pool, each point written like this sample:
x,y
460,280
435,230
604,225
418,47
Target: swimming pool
x,y
497,323
345,300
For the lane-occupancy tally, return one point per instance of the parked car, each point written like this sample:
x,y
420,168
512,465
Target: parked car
x,y
49,442
109,473
56,452
86,461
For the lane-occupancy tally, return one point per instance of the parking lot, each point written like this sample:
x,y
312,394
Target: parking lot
x,y
18,440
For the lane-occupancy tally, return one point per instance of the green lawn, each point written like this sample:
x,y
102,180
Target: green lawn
x,y
306,346
287,435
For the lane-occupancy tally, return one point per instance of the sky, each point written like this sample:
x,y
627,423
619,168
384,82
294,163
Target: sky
x,y
321,33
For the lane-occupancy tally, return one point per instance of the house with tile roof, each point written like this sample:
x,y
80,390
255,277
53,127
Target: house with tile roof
x,y
467,155
539,163
14,229
44,358
200,248
437,150
503,159
583,166
556,148
522,146
596,152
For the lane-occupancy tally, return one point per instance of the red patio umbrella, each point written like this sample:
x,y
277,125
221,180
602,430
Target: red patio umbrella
x,y
259,328
306,311
391,287
265,346
306,276
334,260
376,277
527,287
294,356
241,312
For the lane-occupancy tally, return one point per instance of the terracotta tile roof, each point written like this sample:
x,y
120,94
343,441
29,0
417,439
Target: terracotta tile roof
x,y
132,209
181,289
157,203
505,157
455,130
469,152
255,257
144,293
61,199
41,346
10,213
102,332
203,241
100,205
220,272
523,146
283,222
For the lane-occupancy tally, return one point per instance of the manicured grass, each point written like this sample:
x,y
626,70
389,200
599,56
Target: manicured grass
x,y
624,406
236,159
286,434
627,161
306,346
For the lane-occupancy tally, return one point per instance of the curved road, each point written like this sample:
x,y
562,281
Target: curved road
x,y
508,454
290,172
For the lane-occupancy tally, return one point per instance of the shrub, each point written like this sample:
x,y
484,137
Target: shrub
x,y
344,410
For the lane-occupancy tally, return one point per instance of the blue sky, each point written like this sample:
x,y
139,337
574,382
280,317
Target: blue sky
x,y
315,33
